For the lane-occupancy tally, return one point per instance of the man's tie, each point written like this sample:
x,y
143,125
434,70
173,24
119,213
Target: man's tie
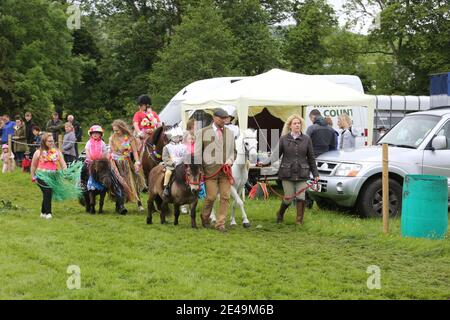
x,y
219,133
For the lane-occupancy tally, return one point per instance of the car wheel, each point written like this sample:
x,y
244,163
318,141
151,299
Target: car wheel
x,y
370,203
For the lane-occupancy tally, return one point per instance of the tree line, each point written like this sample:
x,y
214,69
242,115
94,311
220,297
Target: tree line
x,y
126,48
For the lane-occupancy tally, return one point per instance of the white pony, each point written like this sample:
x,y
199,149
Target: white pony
x,y
247,151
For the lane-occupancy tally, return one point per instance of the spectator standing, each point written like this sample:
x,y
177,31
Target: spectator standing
x,y
29,124
37,136
55,126
20,140
322,136
330,124
77,130
348,134
7,128
69,142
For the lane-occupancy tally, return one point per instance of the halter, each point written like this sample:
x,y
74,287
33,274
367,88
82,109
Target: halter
x,y
188,181
247,151
152,152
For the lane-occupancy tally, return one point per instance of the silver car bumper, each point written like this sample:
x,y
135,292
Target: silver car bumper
x,y
341,190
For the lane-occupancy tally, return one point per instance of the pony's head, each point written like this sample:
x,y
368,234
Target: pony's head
x,y
247,143
189,174
101,172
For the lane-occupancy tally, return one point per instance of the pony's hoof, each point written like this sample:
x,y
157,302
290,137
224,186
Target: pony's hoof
x,y
246,225
141,208
149,221
123,211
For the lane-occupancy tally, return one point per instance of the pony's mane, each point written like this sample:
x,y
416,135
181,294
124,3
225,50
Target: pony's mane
x,y
179,174
180,170
156,135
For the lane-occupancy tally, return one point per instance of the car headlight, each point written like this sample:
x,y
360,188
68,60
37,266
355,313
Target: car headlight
x,y
347,170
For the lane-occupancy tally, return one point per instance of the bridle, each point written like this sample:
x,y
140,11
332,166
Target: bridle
x,y
150,148
247,150
187,171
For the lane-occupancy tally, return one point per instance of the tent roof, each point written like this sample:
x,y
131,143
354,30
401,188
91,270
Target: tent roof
x,y
280,88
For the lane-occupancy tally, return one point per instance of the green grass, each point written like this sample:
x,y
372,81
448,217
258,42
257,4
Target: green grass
x,y
123,258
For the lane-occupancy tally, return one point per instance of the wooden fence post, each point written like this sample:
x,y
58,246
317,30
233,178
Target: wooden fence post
x,y
385,188
10,143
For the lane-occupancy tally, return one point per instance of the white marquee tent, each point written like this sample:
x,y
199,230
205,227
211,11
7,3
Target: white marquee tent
x,y
282,93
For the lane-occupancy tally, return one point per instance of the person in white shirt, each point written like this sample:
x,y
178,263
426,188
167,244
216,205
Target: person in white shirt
x,y
348,134
172,155
229,124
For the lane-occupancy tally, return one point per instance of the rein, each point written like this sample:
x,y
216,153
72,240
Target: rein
x,y
225,168
312,186
153,152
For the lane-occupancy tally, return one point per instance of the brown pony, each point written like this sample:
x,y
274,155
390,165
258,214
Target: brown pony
x,y
152,150
183,190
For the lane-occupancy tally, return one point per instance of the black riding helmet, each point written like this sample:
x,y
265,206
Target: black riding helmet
x,y
144,99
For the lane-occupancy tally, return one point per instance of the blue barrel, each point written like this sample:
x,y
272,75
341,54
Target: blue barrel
x,y
425,206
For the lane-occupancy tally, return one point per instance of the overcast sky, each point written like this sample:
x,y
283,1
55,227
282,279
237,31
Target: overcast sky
x,y
337,4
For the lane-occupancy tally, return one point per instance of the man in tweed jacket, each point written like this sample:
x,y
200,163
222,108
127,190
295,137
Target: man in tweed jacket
x,y
214,146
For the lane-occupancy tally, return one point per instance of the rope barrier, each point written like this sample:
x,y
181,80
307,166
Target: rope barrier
x,y
263,185
37,145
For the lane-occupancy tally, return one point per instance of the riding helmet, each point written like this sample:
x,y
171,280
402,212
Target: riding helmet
x,y
144,99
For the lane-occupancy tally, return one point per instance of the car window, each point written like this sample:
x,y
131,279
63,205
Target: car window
x,y
411,131
445,131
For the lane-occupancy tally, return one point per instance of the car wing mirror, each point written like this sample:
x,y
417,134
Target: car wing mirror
x,y
439,143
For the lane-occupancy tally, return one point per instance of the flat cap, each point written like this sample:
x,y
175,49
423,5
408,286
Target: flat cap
x,y
220,113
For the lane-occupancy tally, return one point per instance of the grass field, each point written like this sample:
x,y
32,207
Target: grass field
x,y
121,257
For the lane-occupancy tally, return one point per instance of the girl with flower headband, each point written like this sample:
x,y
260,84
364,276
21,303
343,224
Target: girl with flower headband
x,y
55,180
123,145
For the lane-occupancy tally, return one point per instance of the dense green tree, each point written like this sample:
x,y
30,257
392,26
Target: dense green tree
x,y
413,35
37,70
202,47
305,49
249,23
